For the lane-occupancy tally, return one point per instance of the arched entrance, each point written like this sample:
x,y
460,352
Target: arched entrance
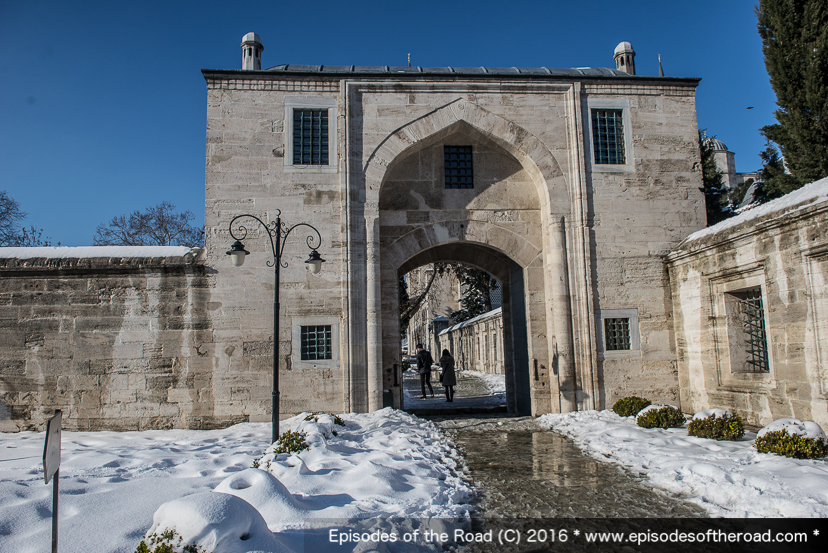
x,y
510,276
509,223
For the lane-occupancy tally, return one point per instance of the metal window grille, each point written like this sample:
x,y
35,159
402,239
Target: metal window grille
x,y
753,323
310,137
458,164
316,343
608,136
617,334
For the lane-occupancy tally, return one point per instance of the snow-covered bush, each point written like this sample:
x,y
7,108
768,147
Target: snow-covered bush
x,y
792,438
168,541
660,416
209,522
629,406
716,424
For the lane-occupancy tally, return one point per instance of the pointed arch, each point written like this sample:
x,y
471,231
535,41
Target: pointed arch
x,y
463,116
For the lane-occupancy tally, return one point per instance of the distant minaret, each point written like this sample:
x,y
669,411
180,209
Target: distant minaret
x,y
660,69
252,52
625,58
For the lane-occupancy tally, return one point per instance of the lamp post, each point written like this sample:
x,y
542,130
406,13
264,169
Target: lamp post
x,y
278,233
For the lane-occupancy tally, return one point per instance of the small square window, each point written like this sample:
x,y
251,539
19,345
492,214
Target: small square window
x,y
617,334
458,165
315,342
310,137
608,136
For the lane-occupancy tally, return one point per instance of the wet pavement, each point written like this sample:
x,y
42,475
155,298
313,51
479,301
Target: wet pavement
x,y
524,470
471,395
529,477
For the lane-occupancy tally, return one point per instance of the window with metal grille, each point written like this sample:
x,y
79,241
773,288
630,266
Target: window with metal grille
x,y
753,324
310,137
316,342
608,136
458,164
617,334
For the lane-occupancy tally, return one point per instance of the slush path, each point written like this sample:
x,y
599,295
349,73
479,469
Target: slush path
x,y
526,471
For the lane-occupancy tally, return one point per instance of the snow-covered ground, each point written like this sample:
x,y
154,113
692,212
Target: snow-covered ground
x,y
728,479
495,382
379,465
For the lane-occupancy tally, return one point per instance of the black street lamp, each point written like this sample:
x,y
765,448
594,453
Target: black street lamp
x,y
278,231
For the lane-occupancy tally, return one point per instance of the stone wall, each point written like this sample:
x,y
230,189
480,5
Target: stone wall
x,y
476,344
780,250
117,343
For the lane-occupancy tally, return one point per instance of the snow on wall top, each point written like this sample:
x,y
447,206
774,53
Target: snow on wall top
x,y
492,313
807,196
78,252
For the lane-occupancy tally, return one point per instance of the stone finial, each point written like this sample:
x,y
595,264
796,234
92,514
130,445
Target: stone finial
x,y
252,49
625,58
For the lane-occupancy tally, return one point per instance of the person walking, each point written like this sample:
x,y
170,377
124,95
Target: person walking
x,y
447,376
424,362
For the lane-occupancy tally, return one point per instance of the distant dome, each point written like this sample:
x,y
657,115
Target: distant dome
x,y
624,48
252,37
716,145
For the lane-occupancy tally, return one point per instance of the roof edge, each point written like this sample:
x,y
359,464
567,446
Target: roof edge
x,y
266,74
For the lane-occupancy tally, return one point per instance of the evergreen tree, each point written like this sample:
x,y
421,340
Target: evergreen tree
x,y
715,191
775,181
795,44
477,298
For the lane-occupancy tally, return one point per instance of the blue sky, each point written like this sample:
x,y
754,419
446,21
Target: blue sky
x,y
103,106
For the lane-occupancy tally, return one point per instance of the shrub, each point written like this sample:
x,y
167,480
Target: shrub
x,y
664,416
791,445
725,427
291,442
629,406
315,418
166,542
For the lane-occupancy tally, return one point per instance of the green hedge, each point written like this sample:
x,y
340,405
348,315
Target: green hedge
x,y
629,406
791,445
725,427
664,417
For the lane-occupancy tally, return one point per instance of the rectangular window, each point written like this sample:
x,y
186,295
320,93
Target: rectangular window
x,y
608,136
458,164
310,137
315,342
617,334
752,315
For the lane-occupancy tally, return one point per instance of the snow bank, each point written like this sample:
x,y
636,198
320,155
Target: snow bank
x,y
379,465
728,479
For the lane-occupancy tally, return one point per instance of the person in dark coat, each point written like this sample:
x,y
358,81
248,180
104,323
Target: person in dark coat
x,y
424,362
447,377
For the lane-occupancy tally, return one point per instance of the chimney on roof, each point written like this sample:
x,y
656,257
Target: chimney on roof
x,y
625,58
252,52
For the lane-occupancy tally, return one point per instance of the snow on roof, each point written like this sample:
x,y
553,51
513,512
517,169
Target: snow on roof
x,y
492,313
77,252
807,196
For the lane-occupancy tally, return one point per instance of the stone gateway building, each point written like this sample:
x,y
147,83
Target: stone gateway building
x,y
570,186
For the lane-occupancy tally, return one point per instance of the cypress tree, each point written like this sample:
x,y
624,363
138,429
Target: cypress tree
x,y
795,44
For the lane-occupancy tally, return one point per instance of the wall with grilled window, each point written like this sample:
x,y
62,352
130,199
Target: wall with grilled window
x,y
751,313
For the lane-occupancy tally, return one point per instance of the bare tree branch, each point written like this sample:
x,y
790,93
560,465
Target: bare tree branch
x,y
157,226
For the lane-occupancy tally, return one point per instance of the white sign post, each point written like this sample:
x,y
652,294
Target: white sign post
x,y
51,467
